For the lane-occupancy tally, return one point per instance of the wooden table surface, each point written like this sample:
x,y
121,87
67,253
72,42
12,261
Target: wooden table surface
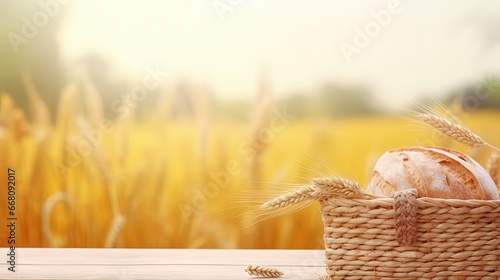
x,y
45,263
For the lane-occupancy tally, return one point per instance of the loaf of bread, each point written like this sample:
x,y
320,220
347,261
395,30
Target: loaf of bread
x,y
434,171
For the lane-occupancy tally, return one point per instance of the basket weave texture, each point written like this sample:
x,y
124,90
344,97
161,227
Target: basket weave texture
x,y
406,237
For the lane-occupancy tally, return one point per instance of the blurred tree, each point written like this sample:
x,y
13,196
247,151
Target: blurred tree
x,y
237,110
29,44
297,104
340,101
484,95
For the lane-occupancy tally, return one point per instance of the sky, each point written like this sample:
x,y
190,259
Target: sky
x,y
410,48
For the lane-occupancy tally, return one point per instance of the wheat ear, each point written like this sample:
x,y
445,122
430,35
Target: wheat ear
x,y
263,271
114,231
338,187
455,130
47,207
493,168
294,197
452,129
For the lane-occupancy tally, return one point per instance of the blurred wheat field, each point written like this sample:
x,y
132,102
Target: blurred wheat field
x,y
145,182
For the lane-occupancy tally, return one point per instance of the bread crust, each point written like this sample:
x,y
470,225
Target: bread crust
x,y
434,171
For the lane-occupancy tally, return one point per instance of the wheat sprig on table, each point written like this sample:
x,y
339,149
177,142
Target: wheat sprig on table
x,y
322,277
263,271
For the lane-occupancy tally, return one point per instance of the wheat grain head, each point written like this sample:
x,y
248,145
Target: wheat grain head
x,y
47,207
263,271
455,130
493,168
293,197
338,187
322,277
114,231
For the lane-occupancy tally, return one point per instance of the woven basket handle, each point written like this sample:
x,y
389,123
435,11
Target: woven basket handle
x,y
405,216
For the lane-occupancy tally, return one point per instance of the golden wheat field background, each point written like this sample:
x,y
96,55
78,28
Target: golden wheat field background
x,y
194,182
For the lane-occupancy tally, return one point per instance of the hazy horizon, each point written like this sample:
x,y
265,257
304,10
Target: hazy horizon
x,y
426,48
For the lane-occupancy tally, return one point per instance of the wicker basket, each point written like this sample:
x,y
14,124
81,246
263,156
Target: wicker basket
x,y
406,237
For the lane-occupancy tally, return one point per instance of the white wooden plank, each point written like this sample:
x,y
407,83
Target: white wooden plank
x,y
40,263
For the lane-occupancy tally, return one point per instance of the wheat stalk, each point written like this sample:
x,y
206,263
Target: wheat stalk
x,y
493,168
294,197
47,207
95,110
114,231
261,118
263,271
41,113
